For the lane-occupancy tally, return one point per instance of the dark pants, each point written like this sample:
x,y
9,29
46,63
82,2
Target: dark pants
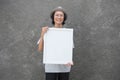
x,y
57,76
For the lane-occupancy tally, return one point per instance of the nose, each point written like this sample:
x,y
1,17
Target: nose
x,y
59,16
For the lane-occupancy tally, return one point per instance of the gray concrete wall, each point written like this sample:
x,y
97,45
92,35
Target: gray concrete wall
x,y
96,26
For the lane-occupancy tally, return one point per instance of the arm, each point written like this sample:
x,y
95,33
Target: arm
x,y
41,42
40,45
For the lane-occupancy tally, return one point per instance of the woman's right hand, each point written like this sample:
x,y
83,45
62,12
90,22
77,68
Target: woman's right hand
x,y
44,30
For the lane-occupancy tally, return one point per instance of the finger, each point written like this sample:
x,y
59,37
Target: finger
x,y
68,64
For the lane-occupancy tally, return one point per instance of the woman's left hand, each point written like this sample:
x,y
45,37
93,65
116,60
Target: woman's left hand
x,y
69,63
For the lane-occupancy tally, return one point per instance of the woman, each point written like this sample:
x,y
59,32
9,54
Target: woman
x,y
56,71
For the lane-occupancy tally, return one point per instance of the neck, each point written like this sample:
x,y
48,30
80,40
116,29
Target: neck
x,y
58,25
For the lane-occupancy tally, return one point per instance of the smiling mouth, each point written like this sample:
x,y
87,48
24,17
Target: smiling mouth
x,y
59,20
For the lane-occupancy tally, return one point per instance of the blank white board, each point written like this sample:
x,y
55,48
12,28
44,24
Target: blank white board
x,y
58,46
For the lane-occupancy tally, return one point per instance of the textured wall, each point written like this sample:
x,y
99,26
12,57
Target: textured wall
x,y
96,26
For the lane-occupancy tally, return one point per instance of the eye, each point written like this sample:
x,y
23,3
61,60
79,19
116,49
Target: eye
x,y
61,15
56,15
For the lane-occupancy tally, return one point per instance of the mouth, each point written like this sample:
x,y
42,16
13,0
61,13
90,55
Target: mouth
x,y
59,20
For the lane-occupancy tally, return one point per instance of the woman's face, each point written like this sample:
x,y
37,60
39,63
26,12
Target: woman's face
x,y
58,17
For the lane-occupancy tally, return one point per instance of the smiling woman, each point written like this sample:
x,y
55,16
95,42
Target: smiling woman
x,y
56,71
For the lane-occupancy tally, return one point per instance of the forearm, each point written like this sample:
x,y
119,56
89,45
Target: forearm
x,y
41,43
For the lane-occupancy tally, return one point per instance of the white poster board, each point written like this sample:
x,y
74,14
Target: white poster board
x,y
58,46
